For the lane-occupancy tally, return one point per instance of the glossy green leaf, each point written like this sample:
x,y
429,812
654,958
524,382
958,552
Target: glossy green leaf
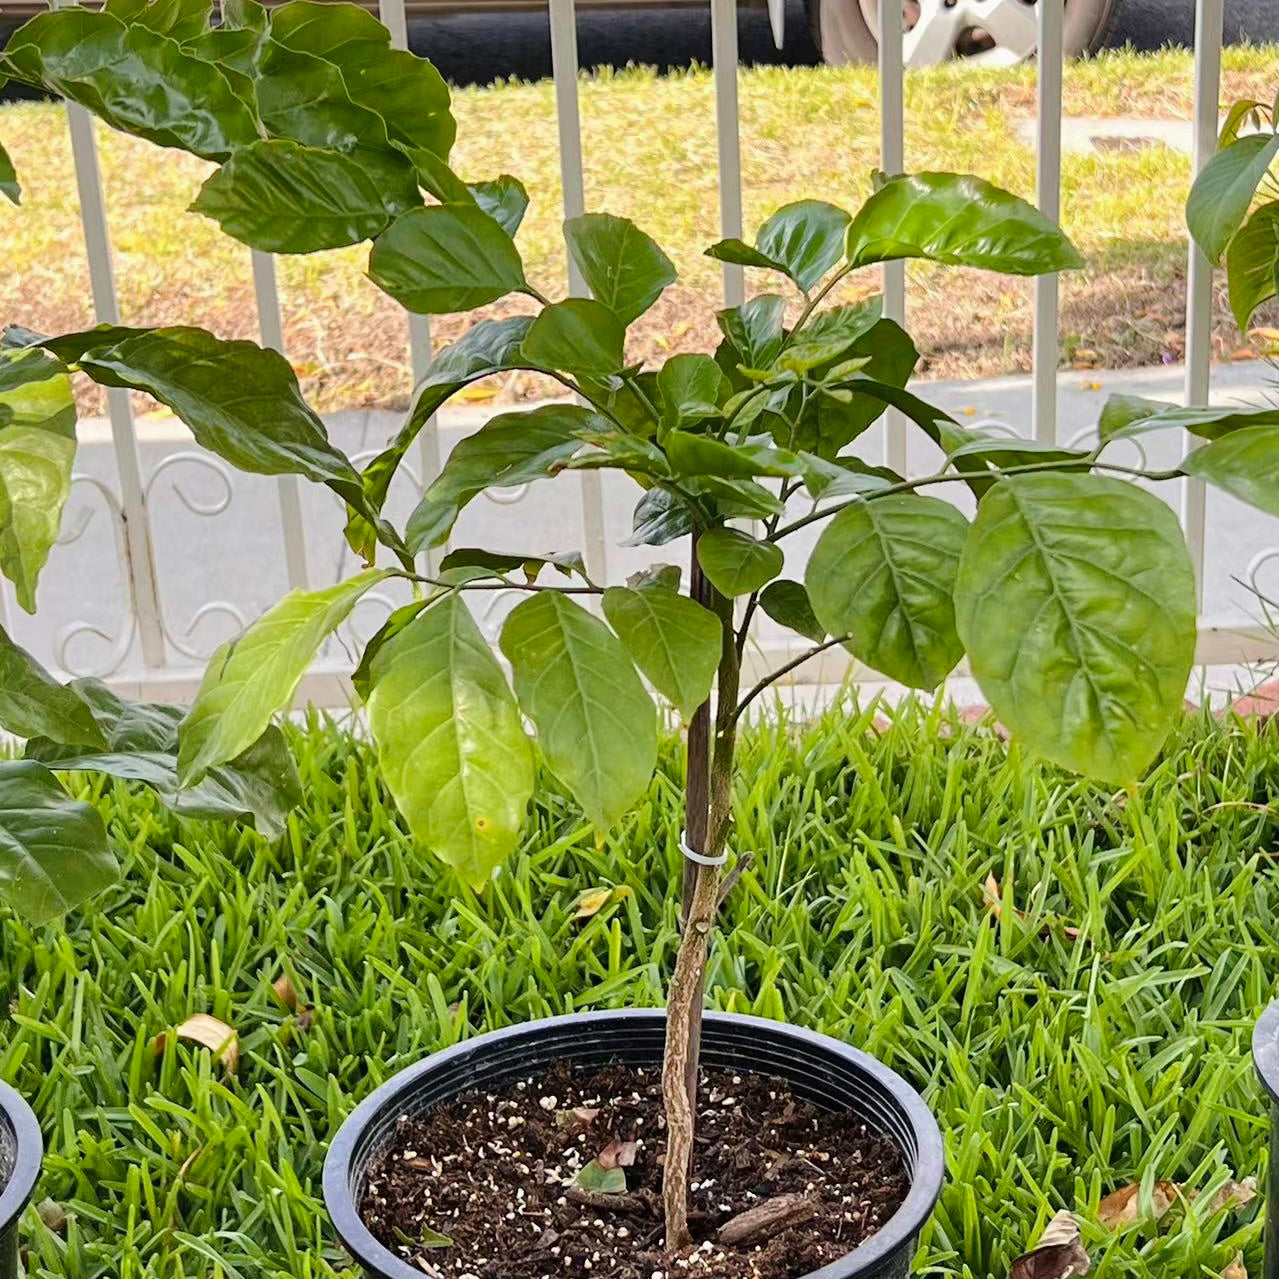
x,y
596,724
844,476
883,573
1252,263
259,788
37,451
691,388
508,450
450,740
1224,191
448,257
9,185
806,239
959,220
504,562
34,704
282,197
787,603
1244,464
241,401
675,642
181,20
134,79
1125,415
53,849
578,336
325,28
660,518
504,199
243,15
691,454
736,563
1076,604
754,332
248,679
624,268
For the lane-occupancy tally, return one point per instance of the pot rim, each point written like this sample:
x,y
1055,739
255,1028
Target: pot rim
x,y
1265,1050
28,1153
926,1180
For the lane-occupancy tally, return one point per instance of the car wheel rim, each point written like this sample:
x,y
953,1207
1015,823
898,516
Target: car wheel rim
x,y
993,32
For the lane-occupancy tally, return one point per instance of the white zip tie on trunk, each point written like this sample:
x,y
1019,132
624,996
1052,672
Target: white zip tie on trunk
x,y
700,859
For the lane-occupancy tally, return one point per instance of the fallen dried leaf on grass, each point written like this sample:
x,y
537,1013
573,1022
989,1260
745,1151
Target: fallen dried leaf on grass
x,y
212,1034
1234,1194
286,993
1122,1209
591,902
1235,1270
53,1214
1059,1254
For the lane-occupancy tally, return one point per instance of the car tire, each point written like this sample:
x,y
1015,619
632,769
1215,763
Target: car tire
x,y
843,34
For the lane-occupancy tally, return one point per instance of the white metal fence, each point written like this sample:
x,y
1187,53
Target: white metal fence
x,y
141,647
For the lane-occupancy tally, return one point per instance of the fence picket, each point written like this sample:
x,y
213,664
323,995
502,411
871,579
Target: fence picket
x,y
1047,333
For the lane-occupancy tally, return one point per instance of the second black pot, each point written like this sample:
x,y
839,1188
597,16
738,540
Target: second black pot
x,y
1265,1052
21,1150
821,1070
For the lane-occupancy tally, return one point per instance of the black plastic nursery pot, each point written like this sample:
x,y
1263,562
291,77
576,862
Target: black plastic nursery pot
x,y
822,1071
1265,1052
21,1149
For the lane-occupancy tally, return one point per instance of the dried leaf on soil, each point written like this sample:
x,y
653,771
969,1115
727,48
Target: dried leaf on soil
x,y
1123,1208
427,1239
1059,1254
618,1154
212,1034
584,1115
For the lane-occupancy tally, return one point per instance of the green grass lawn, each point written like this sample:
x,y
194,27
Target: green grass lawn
x,y
1090,1033
650,154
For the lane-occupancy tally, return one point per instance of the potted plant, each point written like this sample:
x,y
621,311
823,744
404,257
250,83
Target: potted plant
x,y
638,1138
20,1153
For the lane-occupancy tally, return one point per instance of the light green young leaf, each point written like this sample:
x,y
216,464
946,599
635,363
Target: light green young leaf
x,y
1244,464
1223,192
1076,604
883,573
787,603
596,723
282,197
450,739
251,677
180,20
507,451
578,336
673,640
624,268
600,1180
959,220
735,563
445,258
1252,263
691,388
37,451
34,704
53,849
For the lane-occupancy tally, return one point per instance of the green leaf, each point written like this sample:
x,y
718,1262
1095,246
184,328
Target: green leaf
x,y
959,220
504,562
1244,464
1076,604
1223,192
704,455
37,451
34,704
1252,263
691,387
140,743
1125,415
135,80
624,268
53,849
450,740
596,723
883,573
740,253
240,400
251,677
674,641
754,332
805,239
449,257
243,15
844,476
326,29
504,199
659,518
180,19
735,563
787,603
281,197
487,347
603,1181
578,336
508,450
9,178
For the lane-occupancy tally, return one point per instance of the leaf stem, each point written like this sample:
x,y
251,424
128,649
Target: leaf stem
x,y
784,670
496,583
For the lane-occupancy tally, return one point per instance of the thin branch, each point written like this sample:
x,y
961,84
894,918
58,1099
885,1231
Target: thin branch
x,y
539,297
641,394
497,583
951,477
740,867
769,680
